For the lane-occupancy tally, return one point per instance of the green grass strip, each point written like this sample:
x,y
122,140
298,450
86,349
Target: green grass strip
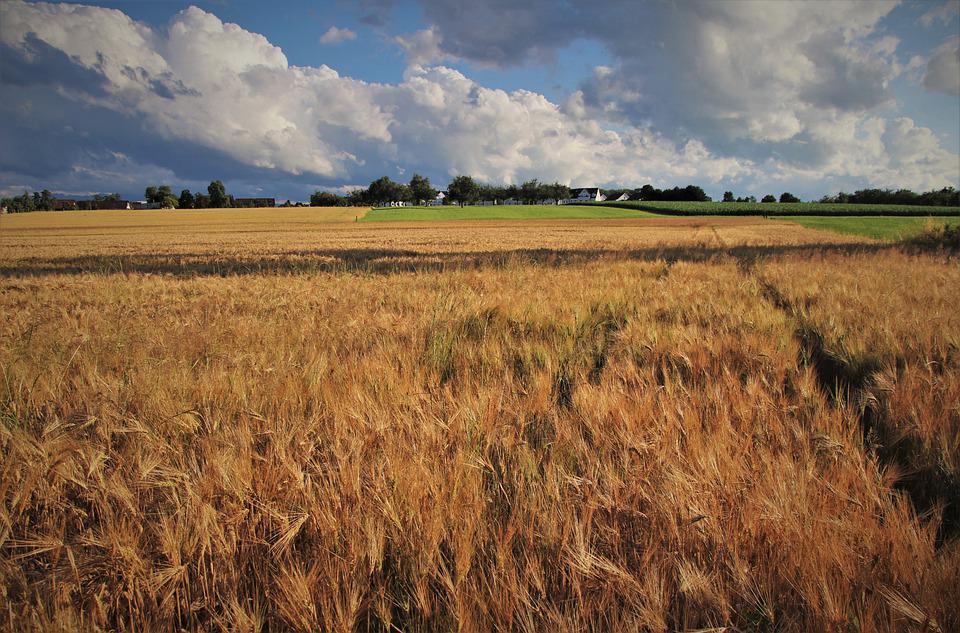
x,y
877,227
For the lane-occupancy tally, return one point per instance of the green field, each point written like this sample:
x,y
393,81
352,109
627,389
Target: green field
x,y
501,212
783,209
877,227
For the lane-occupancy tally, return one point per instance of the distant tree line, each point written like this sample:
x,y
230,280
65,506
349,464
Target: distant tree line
x,y
161,196
44,201
786,196
215,198
946,197
37,201
690,193
462,190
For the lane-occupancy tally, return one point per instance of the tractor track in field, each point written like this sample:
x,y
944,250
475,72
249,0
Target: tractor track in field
x,y
844,380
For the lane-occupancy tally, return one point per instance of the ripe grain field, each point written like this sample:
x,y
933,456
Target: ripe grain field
x,y
641,424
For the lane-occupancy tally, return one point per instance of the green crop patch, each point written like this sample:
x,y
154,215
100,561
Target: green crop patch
x,y
783,208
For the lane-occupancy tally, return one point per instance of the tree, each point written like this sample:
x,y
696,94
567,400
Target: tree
x,y
166,199
768,198
488,192
357,198
464,190
421,190
27,202
728,196
186,199
46,200
218,195
152,195
647,192
788,197
560,191
383,191
531,191
326,199
201,200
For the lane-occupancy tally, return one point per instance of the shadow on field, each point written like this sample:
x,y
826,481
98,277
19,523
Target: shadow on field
x,y
386,261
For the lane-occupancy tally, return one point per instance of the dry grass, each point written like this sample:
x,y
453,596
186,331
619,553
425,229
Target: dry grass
x,y
891,325
491,437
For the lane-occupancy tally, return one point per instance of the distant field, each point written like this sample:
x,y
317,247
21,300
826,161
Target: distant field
x,y
292,241
209,219
501,212
781,209
881,228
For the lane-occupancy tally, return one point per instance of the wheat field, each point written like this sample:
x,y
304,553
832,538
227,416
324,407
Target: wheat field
x,y
654,425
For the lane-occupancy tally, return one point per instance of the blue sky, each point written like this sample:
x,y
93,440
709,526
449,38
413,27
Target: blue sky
x,y
285,98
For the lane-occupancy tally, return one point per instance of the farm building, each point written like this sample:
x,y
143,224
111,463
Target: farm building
x,y
64,204
584,194
440,200
254,202
111,205
139,205
621,198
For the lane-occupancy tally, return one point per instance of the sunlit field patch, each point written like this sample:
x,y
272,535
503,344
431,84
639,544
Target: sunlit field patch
x,y
501,212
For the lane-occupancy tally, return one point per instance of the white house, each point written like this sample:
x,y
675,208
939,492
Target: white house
x,y
440,200
584,194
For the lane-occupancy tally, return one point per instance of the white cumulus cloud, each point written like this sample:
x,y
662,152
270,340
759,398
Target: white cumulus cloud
x,y
422,47
335,35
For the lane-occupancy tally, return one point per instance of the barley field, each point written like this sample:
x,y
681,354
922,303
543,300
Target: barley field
x,y
285,420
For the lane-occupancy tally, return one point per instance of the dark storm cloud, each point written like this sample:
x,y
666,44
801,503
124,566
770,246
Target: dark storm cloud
x,y
504,33
844,80
375,13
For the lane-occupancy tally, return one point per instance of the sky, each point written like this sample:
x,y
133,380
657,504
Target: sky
x,y
285,98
